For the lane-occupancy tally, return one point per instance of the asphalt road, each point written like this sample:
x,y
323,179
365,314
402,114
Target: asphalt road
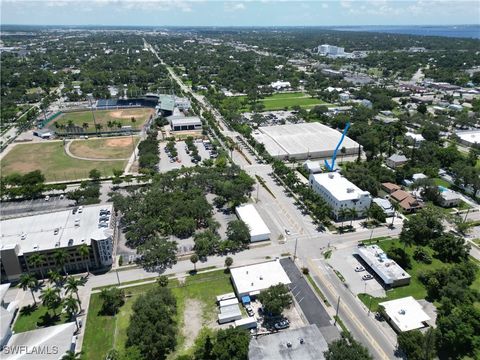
x,y
311,306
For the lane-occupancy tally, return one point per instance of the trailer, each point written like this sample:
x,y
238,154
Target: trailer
x,y
246,323
227,302
225,297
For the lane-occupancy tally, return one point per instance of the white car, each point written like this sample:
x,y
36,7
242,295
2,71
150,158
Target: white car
x,y
359,269
47,198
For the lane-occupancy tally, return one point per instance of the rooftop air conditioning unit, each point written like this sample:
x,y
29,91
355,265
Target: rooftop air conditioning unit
x,y
330,175
350,190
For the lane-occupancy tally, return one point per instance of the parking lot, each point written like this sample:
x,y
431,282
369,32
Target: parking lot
x,y
29,207
184,159
345,263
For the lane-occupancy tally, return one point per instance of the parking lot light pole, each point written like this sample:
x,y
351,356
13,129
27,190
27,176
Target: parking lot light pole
x,y
118,278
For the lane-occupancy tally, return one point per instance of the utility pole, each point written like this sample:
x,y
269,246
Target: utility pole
x,y
295,251
336,313
133,146
258,188
118,278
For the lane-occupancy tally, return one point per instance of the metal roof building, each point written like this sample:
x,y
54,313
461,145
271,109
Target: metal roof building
x,y
259,231
49,343
184,123
303,141
306,343
251,279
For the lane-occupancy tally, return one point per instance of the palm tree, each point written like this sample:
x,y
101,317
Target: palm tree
x,y
396,206
61,256
72,307
84,252
55,277
98,127
37,261
72,285
51,299
110,124
342,213
28,281
353,214
85,126
72,355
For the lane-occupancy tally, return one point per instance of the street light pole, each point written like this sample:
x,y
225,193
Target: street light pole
x,y
336,313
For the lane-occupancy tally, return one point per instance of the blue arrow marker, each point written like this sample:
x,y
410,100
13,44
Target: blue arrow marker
x,y
332,167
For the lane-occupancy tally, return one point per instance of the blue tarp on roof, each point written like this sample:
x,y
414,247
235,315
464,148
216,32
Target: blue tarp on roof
x,y
245,300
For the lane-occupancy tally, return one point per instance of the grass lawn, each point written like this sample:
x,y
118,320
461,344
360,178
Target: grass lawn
x,y
441,182
102,332
31,318
51,160
282,100
106,148
102,117
415,288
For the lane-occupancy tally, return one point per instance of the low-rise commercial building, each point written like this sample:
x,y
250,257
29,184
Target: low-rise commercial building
x,y
469,138
340,193
251,279
305,343
385,205
45,234
404,314
259,231
449,198
388,270
185,123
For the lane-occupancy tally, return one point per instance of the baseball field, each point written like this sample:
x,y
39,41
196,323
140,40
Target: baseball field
x,y
108,119
52,160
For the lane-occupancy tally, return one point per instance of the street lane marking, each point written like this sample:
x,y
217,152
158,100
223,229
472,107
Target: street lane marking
x,y
349,313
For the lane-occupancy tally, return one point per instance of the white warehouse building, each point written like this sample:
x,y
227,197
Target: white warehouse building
x,y
259,231
250,280
304,141
340,193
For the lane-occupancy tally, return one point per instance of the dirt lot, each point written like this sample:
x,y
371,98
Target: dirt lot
x,y
109,148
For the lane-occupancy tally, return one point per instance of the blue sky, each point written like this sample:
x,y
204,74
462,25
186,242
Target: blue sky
x,y
240,13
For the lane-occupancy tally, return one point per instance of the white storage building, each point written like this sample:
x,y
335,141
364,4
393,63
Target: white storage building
x,y
340,193
259,231
229,313
250,280
246,323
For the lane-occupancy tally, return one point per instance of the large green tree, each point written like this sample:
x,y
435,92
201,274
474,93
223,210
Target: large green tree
x,y
158,253
417,345
346,348
275,299
153,324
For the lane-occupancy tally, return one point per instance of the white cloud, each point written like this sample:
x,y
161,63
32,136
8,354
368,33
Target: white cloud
x,y
232,6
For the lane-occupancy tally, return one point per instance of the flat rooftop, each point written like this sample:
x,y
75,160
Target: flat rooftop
x,y
471,137
252,279
178,120
388,270
302,140
252,218
36,232
274,346
337,185
406,313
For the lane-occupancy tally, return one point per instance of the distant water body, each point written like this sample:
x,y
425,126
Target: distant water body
x,y
459,31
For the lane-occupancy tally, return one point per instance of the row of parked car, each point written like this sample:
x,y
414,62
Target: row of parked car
x,y
104,218
366,276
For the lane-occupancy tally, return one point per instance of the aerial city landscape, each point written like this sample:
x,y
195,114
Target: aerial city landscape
x,y
207,180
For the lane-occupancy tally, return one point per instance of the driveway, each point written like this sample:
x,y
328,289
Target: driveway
x,y
311,306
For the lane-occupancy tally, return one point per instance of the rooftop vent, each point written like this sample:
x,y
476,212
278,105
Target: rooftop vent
x,y
330,175
289,344
251,284
23,236
350,190
301,341
401,312
261,277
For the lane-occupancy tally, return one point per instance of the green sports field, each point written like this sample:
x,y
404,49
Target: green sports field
x,y
103,117
282,100
51,159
